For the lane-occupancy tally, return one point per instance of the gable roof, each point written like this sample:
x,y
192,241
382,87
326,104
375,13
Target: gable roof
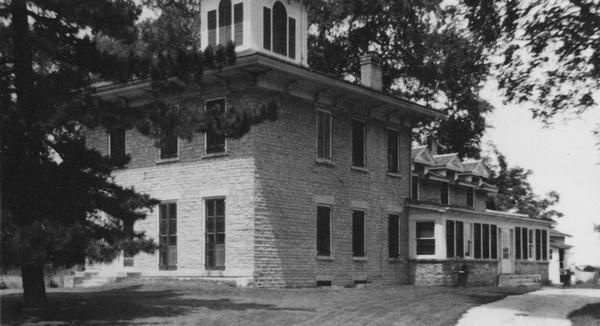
x,y
422,155
449,161
476,167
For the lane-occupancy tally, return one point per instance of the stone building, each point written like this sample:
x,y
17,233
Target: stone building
x,y
318,196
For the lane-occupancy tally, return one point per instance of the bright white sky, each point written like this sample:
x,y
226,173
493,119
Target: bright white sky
x,y
563,158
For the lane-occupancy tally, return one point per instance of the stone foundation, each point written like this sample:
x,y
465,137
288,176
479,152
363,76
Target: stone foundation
x,y
532,267
444,272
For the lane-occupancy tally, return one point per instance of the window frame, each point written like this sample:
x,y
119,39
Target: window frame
x,y
396,253
330,158
364,230
455,238
216,232
446,186
414,188
397,131
109,141
470,194
417,238
167,203
364,143
169,159
330,208
225,147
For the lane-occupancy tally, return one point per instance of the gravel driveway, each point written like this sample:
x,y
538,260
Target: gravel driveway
x,y
546,307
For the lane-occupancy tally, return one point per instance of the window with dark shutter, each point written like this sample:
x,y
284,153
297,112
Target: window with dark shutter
x,y
450,239
444,193
486,241
212,27
358,143
267,28
292,38
279,28
393,234
215,140
323,231
524,249
544,244
494,241
425,238
393,151
323,135
517,243
224,21
460,237
358,233
477,240
538,244
238,21
116,143
168,145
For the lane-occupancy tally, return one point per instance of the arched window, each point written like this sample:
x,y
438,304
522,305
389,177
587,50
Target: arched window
x,y
279,29
224,21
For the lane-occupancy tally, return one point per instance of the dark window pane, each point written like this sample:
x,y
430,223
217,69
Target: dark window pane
x,y
292,38
220,207
517,243
414,188
117,143
215,233
323,231
425,238
279,29
212,27
450,239
210,224
393,150
460,246
494,241
172,210
215,139
173,227
238,20
393,233
323,135
525,243
224,21
267,28
477,240
168,145
358,143
425,229
538,244
426,247
444,193
220,224
358,233
168,236
470,197
486,240
544,244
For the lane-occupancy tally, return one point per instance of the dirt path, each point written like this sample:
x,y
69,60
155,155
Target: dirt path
x,y
546,307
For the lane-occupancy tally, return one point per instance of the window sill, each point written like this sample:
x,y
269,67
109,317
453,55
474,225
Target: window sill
x,y
167,160
324,161
217,268
395,260
211,155
360,169
360,259
394,175
325,258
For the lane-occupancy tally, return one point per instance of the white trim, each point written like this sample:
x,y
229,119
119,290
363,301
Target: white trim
x,y
425,256
330,158
359,204
225,148
398,210
326,200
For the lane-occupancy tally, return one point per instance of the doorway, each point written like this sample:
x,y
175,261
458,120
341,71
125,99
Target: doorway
x,y
506,261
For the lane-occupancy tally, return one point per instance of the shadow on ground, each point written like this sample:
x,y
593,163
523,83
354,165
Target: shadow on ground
x,y
117,306
588,315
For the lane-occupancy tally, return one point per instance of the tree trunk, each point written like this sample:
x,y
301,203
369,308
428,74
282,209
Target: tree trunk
x,y
34,288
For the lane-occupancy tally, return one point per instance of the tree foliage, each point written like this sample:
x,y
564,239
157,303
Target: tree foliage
x,y
515,193
429,55
53,187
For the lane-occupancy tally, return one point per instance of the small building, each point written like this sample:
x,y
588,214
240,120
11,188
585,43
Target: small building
x,y
560,262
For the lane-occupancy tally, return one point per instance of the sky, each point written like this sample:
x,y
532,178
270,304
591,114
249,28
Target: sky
x,y
563,157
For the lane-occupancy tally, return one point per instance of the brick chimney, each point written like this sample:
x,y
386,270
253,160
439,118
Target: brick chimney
x,y
370,71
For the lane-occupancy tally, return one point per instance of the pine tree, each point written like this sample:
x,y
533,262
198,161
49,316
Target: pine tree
x,y
59,204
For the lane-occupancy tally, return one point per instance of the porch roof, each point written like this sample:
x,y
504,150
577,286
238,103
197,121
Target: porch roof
x,y
488,212
559,244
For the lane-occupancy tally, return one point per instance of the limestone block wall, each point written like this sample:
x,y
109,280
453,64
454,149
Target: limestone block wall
x,y
532,267
444,272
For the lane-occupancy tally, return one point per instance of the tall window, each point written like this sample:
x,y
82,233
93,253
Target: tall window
x,y
493,241
393,235
454,239
238,23
531,246
323,135
393,151
517,242
358,233
169,144
225,14
425,238
444,193
323,231
215,233
538,244
116,143
279,32
470,197
168,236
215,140
485,241
544,244
212,27
358,143
224,21
477,240
414,188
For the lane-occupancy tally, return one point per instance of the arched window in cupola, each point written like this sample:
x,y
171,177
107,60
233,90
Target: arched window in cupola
x,y
279,30
224,21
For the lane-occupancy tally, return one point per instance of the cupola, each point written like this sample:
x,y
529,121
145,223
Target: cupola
x,y
274,27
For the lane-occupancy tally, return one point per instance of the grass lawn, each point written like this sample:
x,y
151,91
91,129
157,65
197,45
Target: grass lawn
x,y
589,315
202,303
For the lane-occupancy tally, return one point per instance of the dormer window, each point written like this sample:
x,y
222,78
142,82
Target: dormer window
x,y
226,14
280,29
